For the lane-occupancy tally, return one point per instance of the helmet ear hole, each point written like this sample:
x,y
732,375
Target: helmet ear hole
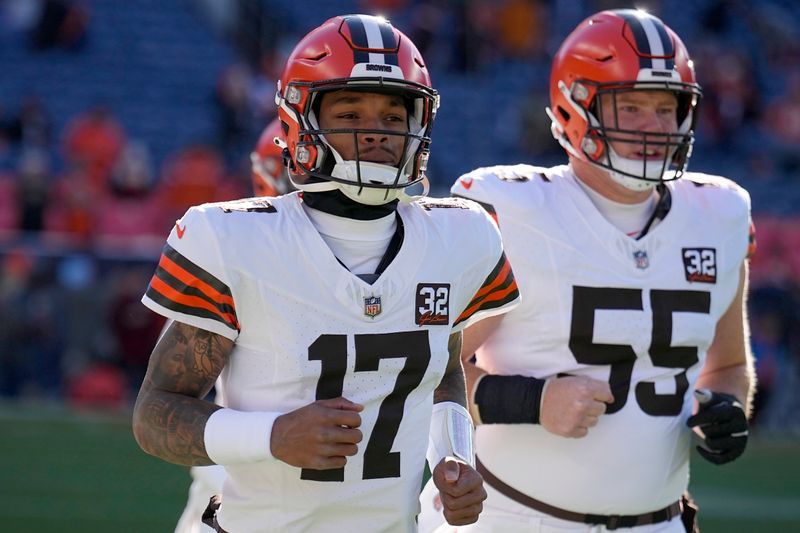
x,y
593,145
563,112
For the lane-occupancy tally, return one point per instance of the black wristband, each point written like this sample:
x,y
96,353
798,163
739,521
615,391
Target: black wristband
x,y
509,399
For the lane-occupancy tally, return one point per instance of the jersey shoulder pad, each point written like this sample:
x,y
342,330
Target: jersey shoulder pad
x,y
701,179
456,216
486,178
446,203
194,227
238,219
717,194
504,189
248,205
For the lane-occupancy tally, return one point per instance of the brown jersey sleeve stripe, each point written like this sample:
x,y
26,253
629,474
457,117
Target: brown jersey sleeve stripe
x,y
499,298
499,289
192,290
170,304
494,301
217,286
496,277
500,285
187,278
170,298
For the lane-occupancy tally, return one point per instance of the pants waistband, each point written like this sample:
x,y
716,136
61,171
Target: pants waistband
x,y
609,521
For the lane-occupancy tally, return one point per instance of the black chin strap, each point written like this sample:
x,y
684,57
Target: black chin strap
x,y
336,203
662,208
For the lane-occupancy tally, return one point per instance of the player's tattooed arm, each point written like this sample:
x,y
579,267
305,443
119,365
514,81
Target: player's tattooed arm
x,y
170,415
452,388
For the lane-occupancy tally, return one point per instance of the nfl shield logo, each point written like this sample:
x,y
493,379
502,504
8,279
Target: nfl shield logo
x,y
372,306
640,256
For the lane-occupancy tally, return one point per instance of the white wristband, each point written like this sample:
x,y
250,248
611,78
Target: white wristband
x,y
450,434
233,437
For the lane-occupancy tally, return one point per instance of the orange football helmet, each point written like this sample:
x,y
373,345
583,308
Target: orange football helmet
x,y
270,176
610,52
365,53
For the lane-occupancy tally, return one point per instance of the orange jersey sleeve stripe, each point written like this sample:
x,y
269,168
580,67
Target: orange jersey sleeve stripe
x,y
195,270
497,295
752,244
188,290
491,301
499,288
500,276
192,281
186,304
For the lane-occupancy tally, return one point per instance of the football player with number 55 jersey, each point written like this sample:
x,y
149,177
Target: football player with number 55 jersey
x,y
632,330
333,315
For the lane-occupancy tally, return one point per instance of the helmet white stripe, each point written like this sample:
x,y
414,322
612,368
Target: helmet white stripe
x,y
374,38
654,39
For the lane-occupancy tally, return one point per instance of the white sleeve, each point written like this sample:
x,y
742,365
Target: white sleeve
x,y
190,284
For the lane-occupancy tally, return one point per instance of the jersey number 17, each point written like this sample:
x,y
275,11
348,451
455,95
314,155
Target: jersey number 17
x,y
331,350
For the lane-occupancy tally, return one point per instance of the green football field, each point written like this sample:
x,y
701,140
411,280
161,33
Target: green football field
x,y
65,472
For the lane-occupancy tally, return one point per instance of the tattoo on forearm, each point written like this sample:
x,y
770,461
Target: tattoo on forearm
x,y
453,386
170,414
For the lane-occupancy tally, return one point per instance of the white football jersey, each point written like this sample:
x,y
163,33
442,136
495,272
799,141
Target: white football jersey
x,y
257,272
640,314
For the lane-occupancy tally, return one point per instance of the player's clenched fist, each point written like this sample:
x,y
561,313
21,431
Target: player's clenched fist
x,y
460,489
320,435
573,404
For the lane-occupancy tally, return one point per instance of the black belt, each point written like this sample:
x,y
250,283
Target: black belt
x,y
609,521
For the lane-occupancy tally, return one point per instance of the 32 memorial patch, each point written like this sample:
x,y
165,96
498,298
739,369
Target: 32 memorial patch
x,y
433,304
700,264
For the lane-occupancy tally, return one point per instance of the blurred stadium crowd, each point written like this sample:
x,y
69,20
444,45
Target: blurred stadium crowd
x,y
115,116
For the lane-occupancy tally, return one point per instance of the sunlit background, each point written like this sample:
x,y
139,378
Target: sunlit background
x,y
116,115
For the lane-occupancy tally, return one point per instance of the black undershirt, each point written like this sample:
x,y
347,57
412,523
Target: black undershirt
x,y
336,203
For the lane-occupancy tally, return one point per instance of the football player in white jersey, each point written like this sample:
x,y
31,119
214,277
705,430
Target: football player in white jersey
x,y
633,275
333,317
269,178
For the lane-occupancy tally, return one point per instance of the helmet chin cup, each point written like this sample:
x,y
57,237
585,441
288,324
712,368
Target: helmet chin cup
x,y
372,196
632,184
359,190
368,195
373,176
371,173
653,173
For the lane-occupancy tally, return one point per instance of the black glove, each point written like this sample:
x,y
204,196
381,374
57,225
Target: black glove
x,y
723,422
